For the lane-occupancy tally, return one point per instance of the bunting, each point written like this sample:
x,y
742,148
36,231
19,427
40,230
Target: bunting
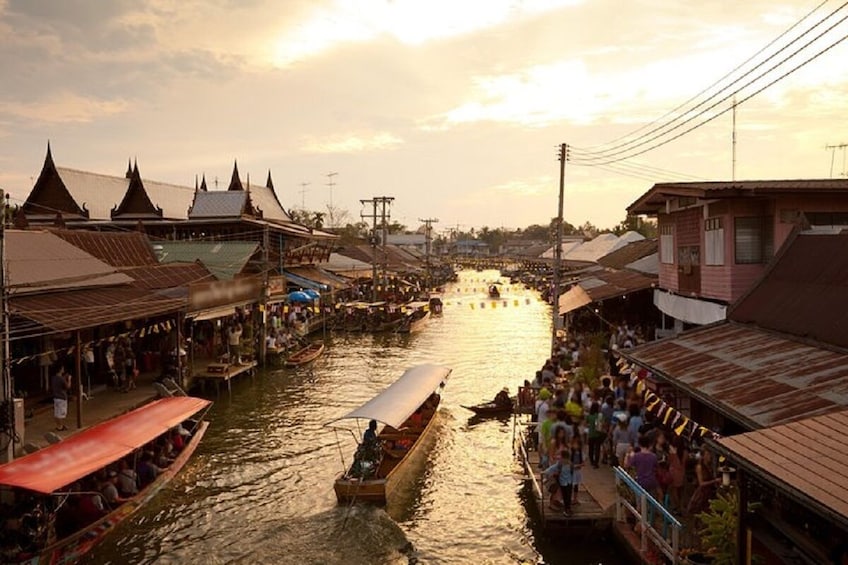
x,y
164,327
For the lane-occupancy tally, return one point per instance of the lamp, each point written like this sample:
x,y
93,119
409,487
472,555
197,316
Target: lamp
x,y
726,471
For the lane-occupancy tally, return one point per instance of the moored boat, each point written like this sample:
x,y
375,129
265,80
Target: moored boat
x,y
407,410
306,354
415,318
490,409
494,291
44,486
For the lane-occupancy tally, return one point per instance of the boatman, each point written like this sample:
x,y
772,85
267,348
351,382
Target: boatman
x,y
502,398
60,383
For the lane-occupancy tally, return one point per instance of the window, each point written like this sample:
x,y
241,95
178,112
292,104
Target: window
x,y
753,239
667,244
828,219
714,241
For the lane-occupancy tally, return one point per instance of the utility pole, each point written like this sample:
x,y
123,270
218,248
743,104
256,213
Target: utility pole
x,y
385,216
428,239
733,172
7,433
375,202
563,157
303,192
833,149
263,300
331,183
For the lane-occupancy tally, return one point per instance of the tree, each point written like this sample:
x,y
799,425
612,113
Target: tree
x,y
337,216
647,228
396,227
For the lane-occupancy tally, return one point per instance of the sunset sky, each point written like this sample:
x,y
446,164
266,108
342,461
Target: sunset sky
x,y
455,108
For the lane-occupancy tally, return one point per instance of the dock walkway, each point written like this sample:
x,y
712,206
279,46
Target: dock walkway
x,y
204,370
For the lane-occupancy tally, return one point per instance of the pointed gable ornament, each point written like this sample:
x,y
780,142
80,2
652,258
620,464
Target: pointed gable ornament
x,y
269,183
203,183
235,181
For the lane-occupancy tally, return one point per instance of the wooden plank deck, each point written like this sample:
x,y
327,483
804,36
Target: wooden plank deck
x,y
596,495
220,372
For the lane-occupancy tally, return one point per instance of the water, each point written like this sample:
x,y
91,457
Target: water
x,y
259,489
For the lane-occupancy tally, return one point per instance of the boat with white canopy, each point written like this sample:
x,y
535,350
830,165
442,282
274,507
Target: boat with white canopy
x,y
406,410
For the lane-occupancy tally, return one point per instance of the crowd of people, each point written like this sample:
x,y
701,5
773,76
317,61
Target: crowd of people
x,y
583,421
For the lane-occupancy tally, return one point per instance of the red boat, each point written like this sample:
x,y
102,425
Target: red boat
x,y
41,483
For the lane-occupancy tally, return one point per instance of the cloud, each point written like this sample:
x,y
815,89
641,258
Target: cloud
x,y
526,187
351,143
64,107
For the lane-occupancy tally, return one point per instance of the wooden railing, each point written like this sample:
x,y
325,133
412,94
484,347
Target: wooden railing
x,y
644,509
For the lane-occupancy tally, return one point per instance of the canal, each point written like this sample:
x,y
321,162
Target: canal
x,y
259,489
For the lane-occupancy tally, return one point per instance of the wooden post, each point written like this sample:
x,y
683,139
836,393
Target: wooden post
x,y
180,379
742,554
78,370
643,521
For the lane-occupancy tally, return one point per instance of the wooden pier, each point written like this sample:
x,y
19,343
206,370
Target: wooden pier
x,y
596,496
221,372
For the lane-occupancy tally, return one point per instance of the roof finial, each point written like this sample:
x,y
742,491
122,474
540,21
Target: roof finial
x,y
203,183
196,186
48,159
269,183
235,181
129,168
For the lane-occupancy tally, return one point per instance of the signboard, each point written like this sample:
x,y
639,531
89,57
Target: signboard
x,y
202,296
276,286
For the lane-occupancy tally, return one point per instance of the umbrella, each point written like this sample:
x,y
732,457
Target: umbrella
x,y
299,296
314,294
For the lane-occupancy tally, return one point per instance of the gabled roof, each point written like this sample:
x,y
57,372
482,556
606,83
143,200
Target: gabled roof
x,y
168,276
119,249
224,259
654,200
136,202
39,260
803,292
603,244
219,204
633,251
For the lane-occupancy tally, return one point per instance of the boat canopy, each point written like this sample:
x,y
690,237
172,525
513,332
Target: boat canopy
x,y
403,397
92,449
415,305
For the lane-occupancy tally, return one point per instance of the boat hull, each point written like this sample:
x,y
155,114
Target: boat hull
x,y
71,549
380,490
305,355
492,410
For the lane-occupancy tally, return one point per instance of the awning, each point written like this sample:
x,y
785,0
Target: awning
x,y
394,405
689,310
213,313
80,309
81,454
303,282
318,275
575,298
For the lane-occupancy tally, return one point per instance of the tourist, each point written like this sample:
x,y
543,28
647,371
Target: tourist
x,y
127,480
109,489
234,343
644,461
545,437
574,408
707,483
576,461
635,422
147,470
597,425
561,471
60,383
677,457
543,405
119,357
622,439
559,444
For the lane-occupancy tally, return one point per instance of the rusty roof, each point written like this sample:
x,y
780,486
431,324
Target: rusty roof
x,y
753,376
170,275
609,283
39,261
623,256
86,308
805,459
654,200
119,249
801,292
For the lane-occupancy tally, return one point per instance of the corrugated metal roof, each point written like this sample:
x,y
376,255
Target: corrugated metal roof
x,y
266,200
806,458
80,309
621,257
649,202
39,260
319,276
756,377
167,276
224,259
603,244
218,204
803,293
339,263
601,285
119,249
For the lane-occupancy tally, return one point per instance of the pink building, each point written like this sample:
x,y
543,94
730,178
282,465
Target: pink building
x,y
716,238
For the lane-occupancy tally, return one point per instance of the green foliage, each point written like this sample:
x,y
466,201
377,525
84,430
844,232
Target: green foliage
x,y
718,534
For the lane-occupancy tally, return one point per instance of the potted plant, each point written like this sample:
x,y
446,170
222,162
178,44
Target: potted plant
x,y
718,532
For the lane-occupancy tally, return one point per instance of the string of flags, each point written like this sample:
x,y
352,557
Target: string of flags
x,y
489,303
670,417
152,329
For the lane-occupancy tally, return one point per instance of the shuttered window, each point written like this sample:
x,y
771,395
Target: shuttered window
x,y
714,241
667,244
753,239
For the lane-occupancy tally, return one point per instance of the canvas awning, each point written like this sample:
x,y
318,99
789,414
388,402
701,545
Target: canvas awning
x,y
81,454
394,405
575,298
689,310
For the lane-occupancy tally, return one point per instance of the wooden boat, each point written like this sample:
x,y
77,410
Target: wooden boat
x,y
306,354
492,409
43,482
416,316
494,292
407,410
